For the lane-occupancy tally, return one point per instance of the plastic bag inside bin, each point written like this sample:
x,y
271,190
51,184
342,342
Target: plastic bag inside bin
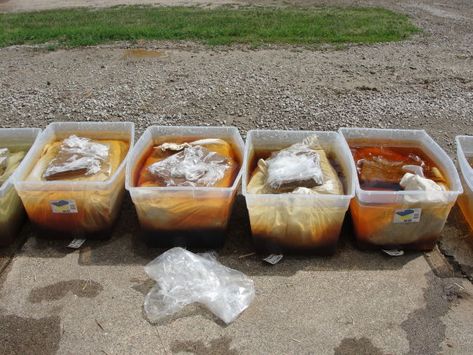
x,y
296,166
303,168
4,153
9,161
202,163
78,156
184,278
193,166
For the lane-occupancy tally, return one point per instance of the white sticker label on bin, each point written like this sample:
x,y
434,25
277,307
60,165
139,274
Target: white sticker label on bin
x,y
409,215
273,259
63,206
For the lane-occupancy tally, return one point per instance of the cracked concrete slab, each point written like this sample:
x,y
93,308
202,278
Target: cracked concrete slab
x,y
90,301
363,302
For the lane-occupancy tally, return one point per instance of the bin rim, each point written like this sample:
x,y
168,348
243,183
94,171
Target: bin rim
x,y
63,185
456,189
143,137
465,167
10,182
327,197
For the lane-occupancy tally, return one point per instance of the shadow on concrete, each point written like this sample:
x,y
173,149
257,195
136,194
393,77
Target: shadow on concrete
x,y
457,242
125,247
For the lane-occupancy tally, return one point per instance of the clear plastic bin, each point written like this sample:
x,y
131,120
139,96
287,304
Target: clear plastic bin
x,y
11,208
293,223
66,208
402,219
194,217
465,152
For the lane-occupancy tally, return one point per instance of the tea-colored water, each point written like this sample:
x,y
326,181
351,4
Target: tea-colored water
x,y
153,155
381,167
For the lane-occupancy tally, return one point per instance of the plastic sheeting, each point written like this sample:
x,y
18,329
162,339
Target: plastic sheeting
x,y
202,163
184,278
78,156
319,170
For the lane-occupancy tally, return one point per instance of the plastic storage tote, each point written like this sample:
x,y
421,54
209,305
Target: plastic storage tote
x,y
402,219
465,161
64,208
183,216
11,208
297,223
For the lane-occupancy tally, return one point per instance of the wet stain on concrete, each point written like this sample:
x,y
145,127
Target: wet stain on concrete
x,y
20,335
424,329
143,287
54,292
354,346
216,346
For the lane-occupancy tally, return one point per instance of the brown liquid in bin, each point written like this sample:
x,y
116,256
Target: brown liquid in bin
x,y
182,218
62,212
380,167
143,178
324,233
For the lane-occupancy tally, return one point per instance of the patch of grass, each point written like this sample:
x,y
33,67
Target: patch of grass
x,y
218,26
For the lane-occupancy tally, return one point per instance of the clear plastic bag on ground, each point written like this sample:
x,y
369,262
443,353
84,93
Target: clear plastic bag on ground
x,y
78,156
194,165
184,278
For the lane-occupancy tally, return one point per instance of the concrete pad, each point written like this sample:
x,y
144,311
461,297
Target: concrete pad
x,y
90,301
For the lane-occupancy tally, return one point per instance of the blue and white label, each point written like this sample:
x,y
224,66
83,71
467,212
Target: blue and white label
x,y
408,215
63,206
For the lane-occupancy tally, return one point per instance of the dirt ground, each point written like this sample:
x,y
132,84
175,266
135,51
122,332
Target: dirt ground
x,y
54,300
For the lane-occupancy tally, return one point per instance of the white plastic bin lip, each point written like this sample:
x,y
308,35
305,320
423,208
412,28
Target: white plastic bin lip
x,y
455,179
327,197
8,184
465,167
129,168
62,185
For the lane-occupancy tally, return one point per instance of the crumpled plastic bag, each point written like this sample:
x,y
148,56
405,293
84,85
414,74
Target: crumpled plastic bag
x,y
414,182
117,150
8,163
184,278
209,162
78,156
295,166
260,182
193,166
4,153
